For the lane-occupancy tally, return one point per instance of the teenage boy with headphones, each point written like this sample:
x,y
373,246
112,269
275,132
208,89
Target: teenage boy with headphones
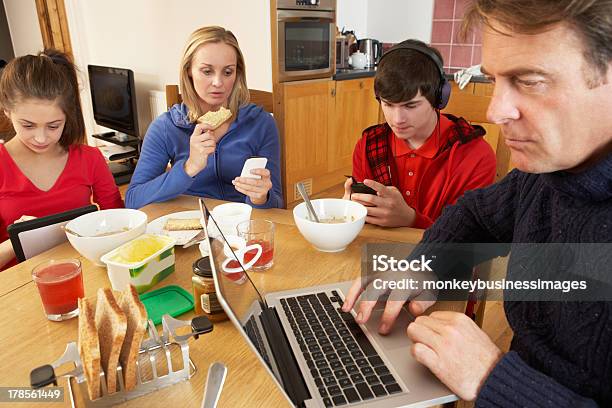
x,y
419,161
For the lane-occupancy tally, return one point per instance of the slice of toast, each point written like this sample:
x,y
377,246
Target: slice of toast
x,y
89,348
111,324
182,224
215,119
136,328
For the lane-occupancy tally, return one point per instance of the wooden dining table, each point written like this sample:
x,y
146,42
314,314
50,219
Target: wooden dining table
x,y
29,340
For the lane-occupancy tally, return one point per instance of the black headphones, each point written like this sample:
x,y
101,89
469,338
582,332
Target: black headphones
x,y
444,90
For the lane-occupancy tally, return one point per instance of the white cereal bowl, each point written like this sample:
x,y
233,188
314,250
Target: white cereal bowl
x,y
331,237
127,223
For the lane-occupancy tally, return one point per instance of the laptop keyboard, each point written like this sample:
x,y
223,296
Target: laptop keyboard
x,y
345,366
253,332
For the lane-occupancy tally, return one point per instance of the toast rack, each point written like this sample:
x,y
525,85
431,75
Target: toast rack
x,y
155,366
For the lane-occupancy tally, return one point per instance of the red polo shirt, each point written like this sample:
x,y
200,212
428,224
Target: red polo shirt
x,y
433,176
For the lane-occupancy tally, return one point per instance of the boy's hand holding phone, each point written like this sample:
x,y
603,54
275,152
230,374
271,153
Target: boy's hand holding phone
x,y
385,204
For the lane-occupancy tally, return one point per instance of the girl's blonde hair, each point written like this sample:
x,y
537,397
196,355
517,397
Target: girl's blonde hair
x,y
206,35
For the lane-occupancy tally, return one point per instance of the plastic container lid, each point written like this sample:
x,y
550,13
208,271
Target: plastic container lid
x,y
172,300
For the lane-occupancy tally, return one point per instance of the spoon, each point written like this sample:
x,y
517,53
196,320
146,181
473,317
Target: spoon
x,y
214,383
68,230
306,199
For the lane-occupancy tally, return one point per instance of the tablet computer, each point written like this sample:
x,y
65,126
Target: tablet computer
x,y
32,237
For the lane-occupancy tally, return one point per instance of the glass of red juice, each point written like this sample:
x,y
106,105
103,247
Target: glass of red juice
x,y
258,232
60,284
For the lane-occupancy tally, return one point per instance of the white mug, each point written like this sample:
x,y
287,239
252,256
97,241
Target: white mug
x,y
358,60
228,216
238,250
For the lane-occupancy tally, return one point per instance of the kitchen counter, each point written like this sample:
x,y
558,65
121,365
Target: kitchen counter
x,y
343,74
478,78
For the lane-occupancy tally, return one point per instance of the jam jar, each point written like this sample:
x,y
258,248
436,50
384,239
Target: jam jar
x,y
204,296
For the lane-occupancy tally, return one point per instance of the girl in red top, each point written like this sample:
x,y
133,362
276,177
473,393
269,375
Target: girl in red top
x,y
419,161
46,168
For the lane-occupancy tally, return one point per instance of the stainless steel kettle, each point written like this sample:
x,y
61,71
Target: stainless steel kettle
x,y
372,49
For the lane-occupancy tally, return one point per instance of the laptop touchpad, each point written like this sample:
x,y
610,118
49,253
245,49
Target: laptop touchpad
x,y
398,337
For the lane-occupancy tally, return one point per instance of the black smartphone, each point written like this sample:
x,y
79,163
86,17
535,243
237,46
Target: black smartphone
x,y
361,188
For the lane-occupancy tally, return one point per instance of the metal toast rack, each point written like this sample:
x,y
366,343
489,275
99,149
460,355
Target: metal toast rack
x,y
156,368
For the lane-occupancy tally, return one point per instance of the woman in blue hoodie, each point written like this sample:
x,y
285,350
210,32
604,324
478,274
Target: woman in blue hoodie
x,y
206,162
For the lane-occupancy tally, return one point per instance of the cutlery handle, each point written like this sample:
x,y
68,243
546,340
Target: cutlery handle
x,y
304,195
214,383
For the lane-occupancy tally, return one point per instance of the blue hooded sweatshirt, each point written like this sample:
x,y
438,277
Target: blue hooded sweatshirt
x,y
253,133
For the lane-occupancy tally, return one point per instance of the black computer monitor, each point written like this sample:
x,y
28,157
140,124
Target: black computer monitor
x,y
114,98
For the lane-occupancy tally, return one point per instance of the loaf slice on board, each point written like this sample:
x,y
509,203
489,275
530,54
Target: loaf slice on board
x,y
136,315
111,324
89,347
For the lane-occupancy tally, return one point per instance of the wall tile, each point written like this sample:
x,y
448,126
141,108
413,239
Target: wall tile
x,y
477,36
445,51
460,7
443,9
457,52
477,56
457,38
461,56
441,32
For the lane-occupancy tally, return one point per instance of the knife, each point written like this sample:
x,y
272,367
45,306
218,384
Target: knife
x,y
201,236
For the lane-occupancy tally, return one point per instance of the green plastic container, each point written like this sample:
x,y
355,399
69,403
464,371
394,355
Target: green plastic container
x,y
172,300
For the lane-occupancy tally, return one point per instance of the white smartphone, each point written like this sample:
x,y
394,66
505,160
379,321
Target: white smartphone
x,y
251,164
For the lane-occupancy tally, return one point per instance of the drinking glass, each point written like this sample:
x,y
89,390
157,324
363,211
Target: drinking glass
x,y
258,232
60,284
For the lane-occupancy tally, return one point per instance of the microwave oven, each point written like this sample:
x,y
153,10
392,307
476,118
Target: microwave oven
x,y
306,33
342,52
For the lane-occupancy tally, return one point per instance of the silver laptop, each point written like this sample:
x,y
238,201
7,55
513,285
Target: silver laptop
x,y
318,355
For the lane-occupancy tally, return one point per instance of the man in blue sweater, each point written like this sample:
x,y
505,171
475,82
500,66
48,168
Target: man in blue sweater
x,y
551,64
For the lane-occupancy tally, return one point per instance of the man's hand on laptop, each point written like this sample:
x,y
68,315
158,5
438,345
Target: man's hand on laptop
x,y
455,349
420,301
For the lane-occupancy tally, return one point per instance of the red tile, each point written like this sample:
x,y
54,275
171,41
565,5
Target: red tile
x,y
457,39
461,56
460,7
478,36
443,9
477,56
441,32
445,51
387,46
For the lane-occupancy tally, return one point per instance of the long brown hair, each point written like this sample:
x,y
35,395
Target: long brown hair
x,y
206,35
51,76
591,19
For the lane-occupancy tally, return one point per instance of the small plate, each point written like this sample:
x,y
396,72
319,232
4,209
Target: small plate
x,y
182,237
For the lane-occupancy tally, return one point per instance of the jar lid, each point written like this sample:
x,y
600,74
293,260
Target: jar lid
x,y
201,267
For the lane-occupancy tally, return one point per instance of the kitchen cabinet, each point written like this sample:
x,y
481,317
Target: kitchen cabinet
x,y
355,109
320,122
472,103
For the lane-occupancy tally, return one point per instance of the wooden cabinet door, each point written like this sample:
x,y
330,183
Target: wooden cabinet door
x,y
355,109
306,121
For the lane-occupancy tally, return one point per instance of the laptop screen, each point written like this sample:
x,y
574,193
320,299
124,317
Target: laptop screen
x,y
233,282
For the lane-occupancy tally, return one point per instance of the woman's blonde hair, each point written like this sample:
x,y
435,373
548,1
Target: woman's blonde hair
x,y
206,35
